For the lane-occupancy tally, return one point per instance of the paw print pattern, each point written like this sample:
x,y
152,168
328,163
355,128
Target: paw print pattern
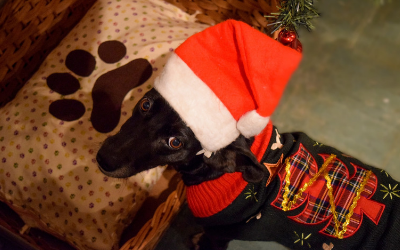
x,y
109,89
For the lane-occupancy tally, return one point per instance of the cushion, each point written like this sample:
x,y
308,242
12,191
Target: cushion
x,y
85,89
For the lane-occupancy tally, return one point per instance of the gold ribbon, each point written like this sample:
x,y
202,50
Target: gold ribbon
x,y
287,205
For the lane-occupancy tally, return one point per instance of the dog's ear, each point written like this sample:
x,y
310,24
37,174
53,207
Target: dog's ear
x,y
237,157
247,163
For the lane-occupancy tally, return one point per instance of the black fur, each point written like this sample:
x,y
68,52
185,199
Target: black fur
x,y
142,143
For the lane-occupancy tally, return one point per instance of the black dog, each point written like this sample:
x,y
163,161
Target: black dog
x,y
285,188
155,135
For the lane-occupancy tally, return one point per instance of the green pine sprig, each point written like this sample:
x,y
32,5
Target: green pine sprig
x,y
293,14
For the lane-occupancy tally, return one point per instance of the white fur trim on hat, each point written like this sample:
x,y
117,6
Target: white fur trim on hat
x,y
197,105
251,124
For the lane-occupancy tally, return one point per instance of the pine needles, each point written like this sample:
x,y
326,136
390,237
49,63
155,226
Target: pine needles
x,y
293,14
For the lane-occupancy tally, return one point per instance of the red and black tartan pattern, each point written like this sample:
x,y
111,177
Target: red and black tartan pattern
x,y
317,210
303,166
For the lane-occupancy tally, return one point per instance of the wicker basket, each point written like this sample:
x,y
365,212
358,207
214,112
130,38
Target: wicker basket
x,y
30,29
211,12
151,233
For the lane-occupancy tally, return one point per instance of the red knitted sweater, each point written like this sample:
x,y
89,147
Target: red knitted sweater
x,y
211,197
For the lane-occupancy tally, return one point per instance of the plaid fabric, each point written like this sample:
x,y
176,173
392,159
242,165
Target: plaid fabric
x,y
346,191
344,188
303,167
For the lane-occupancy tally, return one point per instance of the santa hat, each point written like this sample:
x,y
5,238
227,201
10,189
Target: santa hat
x,y
225,81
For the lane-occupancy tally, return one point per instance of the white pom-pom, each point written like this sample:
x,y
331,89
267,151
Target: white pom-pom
x,y
251,124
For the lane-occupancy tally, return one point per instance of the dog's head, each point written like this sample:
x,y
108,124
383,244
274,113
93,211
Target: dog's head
x,y
155,135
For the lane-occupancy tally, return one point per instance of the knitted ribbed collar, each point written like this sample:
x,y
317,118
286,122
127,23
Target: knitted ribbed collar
x,y
211,197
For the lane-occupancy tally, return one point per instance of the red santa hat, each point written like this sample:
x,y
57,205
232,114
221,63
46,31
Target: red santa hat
x,y
225,81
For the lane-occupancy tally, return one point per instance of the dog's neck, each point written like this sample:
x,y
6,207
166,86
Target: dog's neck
x,y
234,157
211,196
199,175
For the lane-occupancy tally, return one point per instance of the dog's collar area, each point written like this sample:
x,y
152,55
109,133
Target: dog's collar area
x,y
206,153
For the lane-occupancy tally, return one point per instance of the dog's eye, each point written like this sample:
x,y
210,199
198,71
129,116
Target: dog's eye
x,y
174,143
145,104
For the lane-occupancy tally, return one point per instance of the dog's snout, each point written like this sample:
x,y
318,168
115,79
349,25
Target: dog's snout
x,y
106,162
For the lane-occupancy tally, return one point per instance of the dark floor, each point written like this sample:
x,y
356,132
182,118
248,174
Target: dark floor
x,y
346,93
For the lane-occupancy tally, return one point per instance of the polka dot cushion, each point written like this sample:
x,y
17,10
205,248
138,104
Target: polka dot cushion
x,y
84,91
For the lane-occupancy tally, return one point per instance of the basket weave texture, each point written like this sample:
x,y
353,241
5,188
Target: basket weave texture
x,y
29,30
211,12
151,233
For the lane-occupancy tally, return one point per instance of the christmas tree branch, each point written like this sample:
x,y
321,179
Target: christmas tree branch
x,y
293,14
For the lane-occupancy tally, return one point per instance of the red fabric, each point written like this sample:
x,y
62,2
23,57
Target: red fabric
x,y
246,69
261,142
211,197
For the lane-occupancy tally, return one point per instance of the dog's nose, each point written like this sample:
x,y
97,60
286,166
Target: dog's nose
x,y
105,162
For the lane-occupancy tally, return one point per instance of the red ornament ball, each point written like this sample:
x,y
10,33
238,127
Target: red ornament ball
x,y
289,38
286,37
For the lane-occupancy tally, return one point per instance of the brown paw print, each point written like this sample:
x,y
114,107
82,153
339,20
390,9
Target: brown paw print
x,y
109,89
